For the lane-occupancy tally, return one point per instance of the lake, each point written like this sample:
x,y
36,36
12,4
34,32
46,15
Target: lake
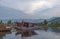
x,y
41,34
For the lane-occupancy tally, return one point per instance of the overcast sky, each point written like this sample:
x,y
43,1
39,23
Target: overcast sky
x,y
32,8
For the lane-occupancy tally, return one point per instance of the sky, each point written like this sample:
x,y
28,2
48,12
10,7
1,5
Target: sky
x,y
31,9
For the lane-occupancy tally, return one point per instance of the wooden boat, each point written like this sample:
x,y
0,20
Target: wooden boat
x,y
4,28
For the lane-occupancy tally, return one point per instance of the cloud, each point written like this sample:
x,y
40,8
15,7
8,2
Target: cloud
x,y
34,8
28,6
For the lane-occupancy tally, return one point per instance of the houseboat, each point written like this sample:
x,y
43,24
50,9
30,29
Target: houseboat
x,y
25,29
26,25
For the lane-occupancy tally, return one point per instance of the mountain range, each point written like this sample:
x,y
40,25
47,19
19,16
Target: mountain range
x,y
6,12
54,19
10,13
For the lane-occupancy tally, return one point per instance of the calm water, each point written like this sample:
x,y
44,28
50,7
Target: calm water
x,y
41,35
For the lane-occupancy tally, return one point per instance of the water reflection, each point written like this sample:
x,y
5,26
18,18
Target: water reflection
x,y
26,33
2,34
41,34
57,29
45,29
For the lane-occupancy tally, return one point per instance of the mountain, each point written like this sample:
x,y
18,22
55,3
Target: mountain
x,y
25,20
54,19
9,13
33,20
